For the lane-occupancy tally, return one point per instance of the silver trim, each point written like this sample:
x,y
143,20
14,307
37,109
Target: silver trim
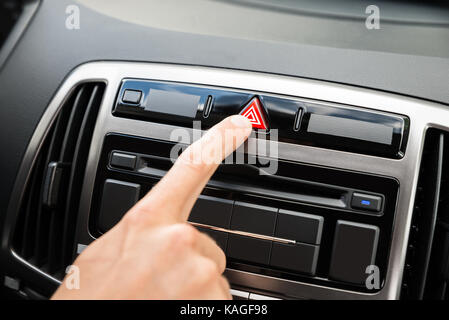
x,y
244,233
240,294
422,115
255,296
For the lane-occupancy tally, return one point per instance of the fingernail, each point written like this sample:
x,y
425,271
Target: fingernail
x,y
241,121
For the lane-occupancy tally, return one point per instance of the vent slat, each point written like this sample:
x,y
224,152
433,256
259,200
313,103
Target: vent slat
x,y
74,124
44,231
32,196
424,276
428,223
78,164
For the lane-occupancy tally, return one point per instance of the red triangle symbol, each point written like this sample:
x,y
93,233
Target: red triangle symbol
x,y
254,112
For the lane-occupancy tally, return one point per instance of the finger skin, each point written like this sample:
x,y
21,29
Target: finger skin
x,y
177,192
152,253
209,248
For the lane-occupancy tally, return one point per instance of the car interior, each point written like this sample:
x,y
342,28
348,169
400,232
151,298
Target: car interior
x,y
347,194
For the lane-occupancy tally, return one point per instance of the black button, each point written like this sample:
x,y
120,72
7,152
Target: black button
x,y
118,197
123,160
132,96
253,218
221,238
299,226
355,247
298,257
212,211
248,249
366,202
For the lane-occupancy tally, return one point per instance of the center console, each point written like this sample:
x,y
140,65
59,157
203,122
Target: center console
x,y
316,205
300,222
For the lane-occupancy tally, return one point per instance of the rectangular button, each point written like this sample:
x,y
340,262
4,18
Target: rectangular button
x,y
221,238
366,202
212,211
253,218
118,197
355,247
172,102
132,96
249,249
123,160
300,257
299,226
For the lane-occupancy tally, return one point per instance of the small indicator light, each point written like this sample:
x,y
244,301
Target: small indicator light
x,y
366,202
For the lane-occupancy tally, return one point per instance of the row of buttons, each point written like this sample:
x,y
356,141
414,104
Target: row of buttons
x,y
296,121
303,230
354,244
359,201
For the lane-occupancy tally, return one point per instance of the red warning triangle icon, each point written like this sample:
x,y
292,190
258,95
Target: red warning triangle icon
x,y
254,112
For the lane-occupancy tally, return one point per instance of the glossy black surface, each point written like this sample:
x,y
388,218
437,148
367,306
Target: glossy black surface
x,y
338,127
344,180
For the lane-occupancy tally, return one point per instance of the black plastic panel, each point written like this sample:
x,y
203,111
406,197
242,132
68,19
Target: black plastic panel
x,y
317,124
259,260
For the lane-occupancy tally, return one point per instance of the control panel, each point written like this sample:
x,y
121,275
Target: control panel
x,y
304,223
298,121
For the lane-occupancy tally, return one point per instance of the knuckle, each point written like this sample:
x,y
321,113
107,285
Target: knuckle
x,y
183,235
225,283
208,272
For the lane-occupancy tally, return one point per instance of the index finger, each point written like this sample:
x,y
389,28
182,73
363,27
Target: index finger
x,y
175,195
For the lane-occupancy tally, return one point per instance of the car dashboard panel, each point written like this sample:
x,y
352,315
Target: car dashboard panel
x,y
311,228
340,191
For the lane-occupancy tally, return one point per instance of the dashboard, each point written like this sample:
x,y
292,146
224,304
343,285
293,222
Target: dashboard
x,y
352,123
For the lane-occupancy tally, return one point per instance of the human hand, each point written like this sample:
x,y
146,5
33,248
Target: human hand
x,y
153,253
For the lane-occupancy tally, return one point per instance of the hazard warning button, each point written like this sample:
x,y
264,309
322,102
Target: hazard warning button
x,y
255,113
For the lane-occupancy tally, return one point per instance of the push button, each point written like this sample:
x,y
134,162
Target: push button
x,y
298,257
366,202
249,249
123,160
253,218
118,197
355,247
212,211
132,96
299,226
255,114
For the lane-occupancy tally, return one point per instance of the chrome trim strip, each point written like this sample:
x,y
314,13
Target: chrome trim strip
x,y
239,294
422,114
244,233
35,269
255,296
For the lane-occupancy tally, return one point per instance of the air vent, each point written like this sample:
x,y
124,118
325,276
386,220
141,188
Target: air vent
x,y
426,274
45,227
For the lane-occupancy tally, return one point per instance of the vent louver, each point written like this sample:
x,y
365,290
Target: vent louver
x,y
426,274
46,223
